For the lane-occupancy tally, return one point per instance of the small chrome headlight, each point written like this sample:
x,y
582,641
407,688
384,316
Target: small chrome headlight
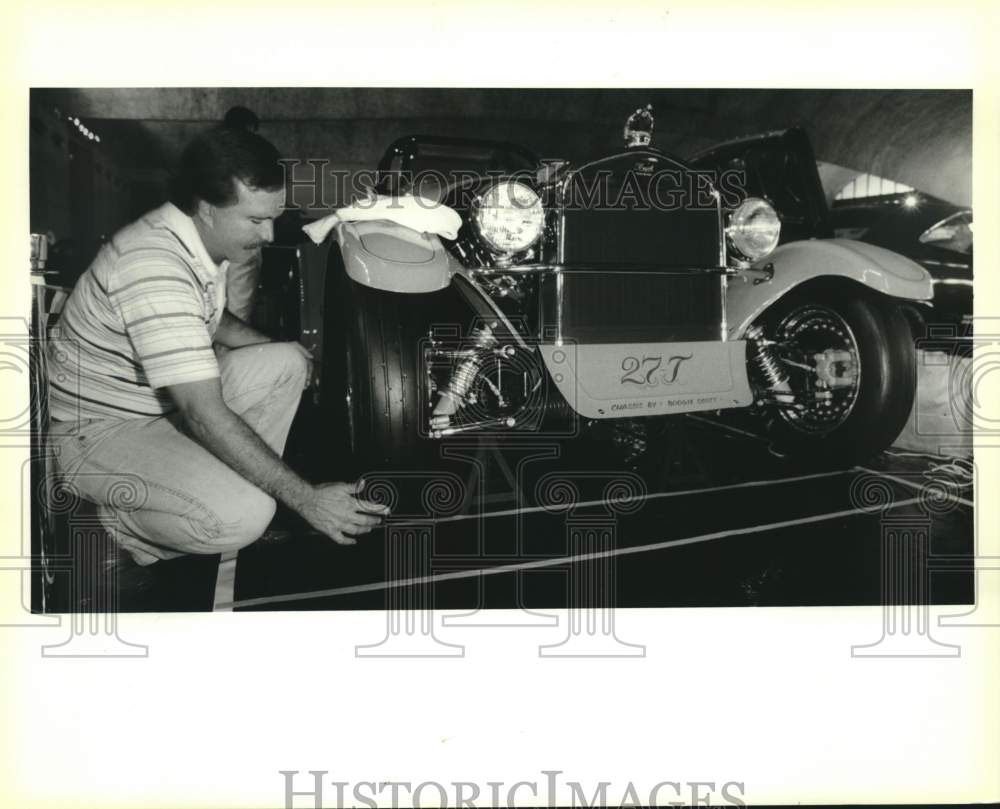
x,y
754,229
509,217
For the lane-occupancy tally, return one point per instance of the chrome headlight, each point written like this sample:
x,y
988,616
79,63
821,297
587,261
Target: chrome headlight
x,y
509,217
754,229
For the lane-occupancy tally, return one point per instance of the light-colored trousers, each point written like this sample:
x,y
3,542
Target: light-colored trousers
x,y
159,492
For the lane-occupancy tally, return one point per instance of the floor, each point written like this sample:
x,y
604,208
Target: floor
x,y
706,516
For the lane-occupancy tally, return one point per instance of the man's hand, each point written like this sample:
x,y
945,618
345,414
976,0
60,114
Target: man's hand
x,y
333,508
212,424
337,511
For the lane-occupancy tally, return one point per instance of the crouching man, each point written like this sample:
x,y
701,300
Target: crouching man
x,y
181,450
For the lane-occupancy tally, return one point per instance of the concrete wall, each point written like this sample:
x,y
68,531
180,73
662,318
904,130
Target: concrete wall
x,y
923,138
78,191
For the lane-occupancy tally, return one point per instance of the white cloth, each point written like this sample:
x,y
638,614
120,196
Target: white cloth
x,y
420,215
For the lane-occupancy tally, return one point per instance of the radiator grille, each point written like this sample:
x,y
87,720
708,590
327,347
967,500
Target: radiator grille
x,y
640,209
622,307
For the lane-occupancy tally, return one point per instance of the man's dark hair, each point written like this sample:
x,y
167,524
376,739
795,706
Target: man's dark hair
x,y
211,163
241,118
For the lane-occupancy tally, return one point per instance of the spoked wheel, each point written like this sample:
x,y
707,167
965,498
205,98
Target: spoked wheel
x,y
850,366
820,354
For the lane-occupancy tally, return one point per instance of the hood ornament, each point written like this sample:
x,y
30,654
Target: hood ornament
x,y
639,127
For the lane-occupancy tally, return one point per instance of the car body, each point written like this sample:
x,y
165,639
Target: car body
x,y
633,285
932,232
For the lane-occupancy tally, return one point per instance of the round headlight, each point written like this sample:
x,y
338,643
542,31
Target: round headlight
x,y
754,229
509,217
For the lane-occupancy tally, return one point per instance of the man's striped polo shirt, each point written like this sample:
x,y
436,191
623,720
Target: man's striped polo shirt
x,y
141,318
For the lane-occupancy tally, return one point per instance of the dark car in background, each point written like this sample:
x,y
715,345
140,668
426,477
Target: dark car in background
x,y
932,232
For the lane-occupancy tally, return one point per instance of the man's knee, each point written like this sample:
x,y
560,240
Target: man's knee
x,y
289,357
279,364
247,519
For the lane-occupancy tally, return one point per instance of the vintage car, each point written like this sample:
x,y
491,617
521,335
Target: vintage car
x,y
635,285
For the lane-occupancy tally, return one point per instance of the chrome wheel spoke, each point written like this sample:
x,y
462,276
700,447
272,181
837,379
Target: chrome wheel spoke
x,y
820,351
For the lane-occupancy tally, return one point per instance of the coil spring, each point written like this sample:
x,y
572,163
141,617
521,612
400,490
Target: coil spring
x,y
465,374
555,407
765,359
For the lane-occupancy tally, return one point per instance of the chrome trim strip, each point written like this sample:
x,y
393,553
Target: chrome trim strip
x,y
723,252
561,222
559,308
724,281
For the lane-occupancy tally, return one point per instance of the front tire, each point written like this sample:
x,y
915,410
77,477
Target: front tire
x,y
854,408
374,391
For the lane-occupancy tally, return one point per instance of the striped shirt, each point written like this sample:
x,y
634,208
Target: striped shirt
x,y
141,318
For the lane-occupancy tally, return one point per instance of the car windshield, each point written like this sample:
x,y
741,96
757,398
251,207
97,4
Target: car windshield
x,y
953,233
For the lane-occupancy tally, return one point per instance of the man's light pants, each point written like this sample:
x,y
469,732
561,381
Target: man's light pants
x,y
186,499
